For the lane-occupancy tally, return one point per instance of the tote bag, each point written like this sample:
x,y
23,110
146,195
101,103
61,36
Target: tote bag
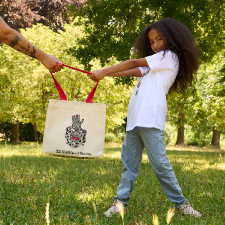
x,y
73,128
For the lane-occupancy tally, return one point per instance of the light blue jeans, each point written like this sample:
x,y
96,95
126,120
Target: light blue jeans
x,y
152,140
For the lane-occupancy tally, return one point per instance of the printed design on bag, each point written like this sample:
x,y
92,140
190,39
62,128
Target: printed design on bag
x,y
72,153
75,135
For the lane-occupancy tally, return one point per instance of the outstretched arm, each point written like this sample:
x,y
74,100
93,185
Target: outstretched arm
x,y
124,69
18,42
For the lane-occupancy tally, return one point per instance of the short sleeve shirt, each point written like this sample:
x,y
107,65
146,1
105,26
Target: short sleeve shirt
x,y
148,106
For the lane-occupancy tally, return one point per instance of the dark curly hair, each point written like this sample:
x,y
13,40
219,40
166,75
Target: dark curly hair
x,y
178,39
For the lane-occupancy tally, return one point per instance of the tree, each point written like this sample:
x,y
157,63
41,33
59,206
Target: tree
x,y
25,13
216,139
222,81
26,87
116,24
15,133
209,113
180,110
17,14
55,13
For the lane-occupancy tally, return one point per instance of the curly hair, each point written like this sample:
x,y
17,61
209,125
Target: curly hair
x,y
178,39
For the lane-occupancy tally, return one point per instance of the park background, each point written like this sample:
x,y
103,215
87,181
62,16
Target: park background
x,y
91,35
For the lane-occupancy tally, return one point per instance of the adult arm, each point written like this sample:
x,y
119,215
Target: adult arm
x,y
124,69
18,42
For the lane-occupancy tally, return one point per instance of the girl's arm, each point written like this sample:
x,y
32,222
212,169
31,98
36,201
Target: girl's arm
x,y
18,42
124,69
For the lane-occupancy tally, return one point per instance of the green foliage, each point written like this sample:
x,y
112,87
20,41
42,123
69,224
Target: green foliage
x,y
209,109
111,27
26,131
202,107
222,141
110,137
74,187
26,85
170,134
120,137
5,130
222,81
117,135
198,136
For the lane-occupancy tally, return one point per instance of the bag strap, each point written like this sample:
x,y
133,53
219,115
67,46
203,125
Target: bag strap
x,y
62,93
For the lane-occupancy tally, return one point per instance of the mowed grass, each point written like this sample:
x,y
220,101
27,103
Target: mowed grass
x,y
80,190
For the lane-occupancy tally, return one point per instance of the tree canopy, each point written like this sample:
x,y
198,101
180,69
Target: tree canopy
x,y
25,13
26,85
112,26
108,31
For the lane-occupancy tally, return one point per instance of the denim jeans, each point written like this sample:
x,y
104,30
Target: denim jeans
x,y
152,140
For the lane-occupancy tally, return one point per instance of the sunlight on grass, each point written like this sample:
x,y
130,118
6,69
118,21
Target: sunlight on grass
x,y
47,214
115,155
169,215
155,219
217,166
24,149
221,166
73,186
92,195
120,207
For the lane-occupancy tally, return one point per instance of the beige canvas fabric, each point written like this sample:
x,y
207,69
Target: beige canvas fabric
x,y
74,129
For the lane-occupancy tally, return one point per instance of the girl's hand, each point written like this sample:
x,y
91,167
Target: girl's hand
x,y
97,75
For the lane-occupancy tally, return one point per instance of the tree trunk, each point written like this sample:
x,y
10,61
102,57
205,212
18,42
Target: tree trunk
x,y
180,133
180,136
36,134
216,139
15,133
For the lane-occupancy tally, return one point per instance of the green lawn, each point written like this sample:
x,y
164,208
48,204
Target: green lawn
x,y
75,187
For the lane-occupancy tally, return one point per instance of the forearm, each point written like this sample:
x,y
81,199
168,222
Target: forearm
x,y
18,42
124,69
129,73
123,66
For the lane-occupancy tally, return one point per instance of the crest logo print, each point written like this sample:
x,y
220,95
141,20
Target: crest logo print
x,y
75,135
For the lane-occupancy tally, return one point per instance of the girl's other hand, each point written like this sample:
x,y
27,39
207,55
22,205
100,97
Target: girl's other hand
x,y
97,75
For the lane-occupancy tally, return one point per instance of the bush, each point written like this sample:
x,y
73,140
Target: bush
x,y
120,137
26,131
110,137
170,134
222,141
5,129
198,137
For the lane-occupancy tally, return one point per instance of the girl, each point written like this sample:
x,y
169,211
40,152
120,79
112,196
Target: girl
x,y
166,56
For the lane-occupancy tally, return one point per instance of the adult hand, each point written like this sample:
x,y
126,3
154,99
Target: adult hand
x,y
97,75
52,63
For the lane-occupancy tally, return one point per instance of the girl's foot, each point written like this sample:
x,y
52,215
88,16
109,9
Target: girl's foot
x,y
188,210
115,209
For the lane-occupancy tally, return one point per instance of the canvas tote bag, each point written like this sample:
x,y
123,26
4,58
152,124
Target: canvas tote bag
x,y
73,128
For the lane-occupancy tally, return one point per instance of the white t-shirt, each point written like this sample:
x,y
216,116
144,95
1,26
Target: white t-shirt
x,y
148,106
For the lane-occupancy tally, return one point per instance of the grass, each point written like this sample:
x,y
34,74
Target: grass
x,y
80,190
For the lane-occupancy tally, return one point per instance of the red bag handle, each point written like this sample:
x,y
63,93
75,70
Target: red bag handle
x,y
62,93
